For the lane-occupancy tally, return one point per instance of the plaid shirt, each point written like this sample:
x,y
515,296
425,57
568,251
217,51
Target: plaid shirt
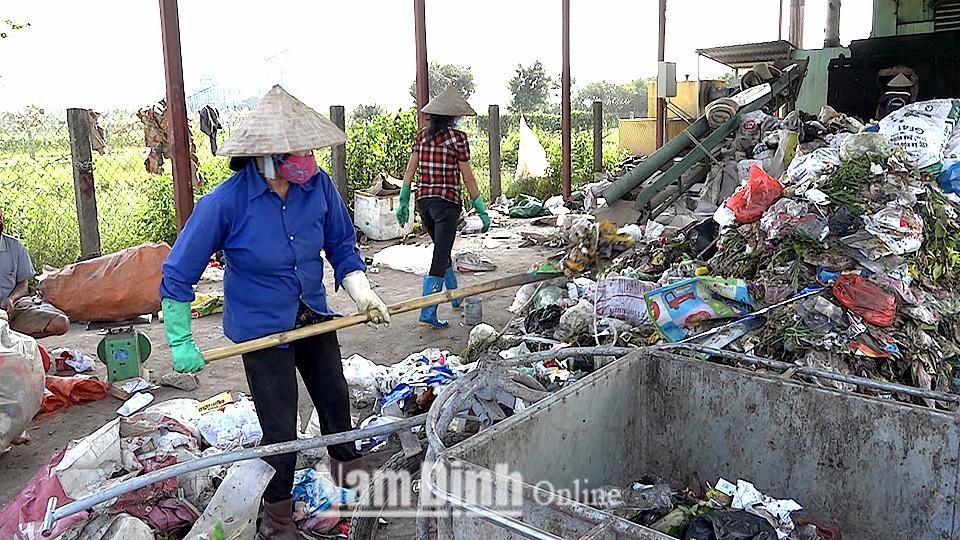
x,y
440,158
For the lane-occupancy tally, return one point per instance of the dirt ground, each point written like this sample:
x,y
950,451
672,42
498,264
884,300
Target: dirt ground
x,y
384,346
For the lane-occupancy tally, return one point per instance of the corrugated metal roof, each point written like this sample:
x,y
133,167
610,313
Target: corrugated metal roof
x,y
746,55
947,16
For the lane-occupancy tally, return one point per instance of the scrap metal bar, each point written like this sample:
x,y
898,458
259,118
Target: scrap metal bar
x,y
821,373
121,488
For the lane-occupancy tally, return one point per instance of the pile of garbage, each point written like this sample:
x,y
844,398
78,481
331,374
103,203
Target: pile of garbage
x,y
221,501
839,250
725,510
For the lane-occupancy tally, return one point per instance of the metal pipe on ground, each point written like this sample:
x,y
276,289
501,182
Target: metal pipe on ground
x,y
823,374
55,514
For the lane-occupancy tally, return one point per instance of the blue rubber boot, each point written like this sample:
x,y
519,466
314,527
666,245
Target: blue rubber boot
x,y
428,315
450,282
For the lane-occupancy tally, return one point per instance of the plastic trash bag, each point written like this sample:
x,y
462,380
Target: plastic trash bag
x,y
735,525
752,201
949,178
21,382
531,157
622,298
680,307
61,392
809,167
866,299
236,424
876,146
923,129
575,321
899,228
526,207
404,258
317,501
236,503
114,287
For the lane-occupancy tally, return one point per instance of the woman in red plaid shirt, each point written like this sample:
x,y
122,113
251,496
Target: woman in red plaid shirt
x,y
443,155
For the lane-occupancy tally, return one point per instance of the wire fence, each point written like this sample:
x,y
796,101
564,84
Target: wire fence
x,y
37,192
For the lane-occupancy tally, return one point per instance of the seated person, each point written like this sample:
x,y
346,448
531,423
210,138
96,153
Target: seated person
x,y
26,314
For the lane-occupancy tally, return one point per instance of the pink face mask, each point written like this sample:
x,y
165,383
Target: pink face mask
x,y
297,169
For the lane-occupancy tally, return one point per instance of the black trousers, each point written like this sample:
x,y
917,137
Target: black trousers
x,y
440,217
272,377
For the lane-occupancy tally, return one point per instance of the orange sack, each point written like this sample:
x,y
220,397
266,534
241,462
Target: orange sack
x,y
62,392
114,287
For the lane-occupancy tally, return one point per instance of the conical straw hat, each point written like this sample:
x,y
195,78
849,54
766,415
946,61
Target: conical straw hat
x,y
900,81
281,124
449,103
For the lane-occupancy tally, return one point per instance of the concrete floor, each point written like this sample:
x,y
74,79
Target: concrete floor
x,y
384,346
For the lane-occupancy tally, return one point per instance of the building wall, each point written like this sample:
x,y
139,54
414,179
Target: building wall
x,y
813,90
901,17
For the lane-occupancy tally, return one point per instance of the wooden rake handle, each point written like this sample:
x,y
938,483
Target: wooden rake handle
x,y
273,340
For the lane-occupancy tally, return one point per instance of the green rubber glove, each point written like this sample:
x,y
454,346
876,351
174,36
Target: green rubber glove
x,y
176,321
403,211
482,212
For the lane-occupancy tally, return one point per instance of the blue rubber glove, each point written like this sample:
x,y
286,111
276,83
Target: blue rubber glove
x,y
403,211
482,212
176,321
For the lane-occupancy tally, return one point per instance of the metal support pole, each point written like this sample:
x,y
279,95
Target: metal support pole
x,y
423,73
179,132
661,51
779,23
597,136
832,34
493,134
796,23
78,124
338,154
565,103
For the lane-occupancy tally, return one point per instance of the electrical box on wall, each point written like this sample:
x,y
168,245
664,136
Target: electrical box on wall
x,y
666,79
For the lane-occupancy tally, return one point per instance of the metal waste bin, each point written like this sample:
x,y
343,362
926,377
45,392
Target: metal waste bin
x,y
877,468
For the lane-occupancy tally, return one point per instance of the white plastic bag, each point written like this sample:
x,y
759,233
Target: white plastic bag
x,y
21,382
922,129
236,502
531,157
236,424
807,168
404,258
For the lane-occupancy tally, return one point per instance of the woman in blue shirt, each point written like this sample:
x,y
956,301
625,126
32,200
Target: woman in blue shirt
x,y
272,219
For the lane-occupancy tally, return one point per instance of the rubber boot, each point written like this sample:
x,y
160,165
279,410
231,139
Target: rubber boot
x,y
450,282
277,522
428,315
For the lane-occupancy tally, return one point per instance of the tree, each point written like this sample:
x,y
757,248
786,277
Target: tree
x,y
530,88
443,75
365,113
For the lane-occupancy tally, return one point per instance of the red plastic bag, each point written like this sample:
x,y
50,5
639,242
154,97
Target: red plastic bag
x,y
752,201
866,299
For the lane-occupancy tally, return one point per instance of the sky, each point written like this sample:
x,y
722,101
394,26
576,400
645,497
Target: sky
x,y
107,54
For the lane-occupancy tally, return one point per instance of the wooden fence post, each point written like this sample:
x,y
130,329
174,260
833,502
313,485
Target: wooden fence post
x,y
78,124
597,136
493,133
338,154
